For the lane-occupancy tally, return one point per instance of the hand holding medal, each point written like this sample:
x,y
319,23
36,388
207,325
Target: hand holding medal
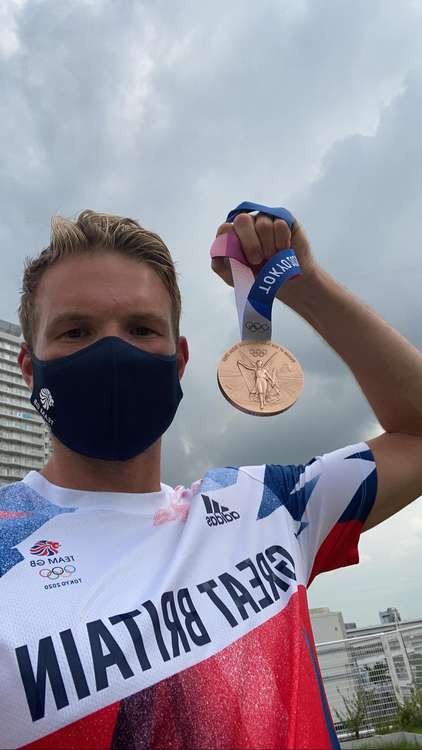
x,y
256,375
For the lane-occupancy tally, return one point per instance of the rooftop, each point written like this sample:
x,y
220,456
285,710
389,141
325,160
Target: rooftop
x,y
11,328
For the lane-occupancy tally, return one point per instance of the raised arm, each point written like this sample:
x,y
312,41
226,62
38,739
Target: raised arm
x,y
390,374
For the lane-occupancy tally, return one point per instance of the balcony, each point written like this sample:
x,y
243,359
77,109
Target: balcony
x,y
368,670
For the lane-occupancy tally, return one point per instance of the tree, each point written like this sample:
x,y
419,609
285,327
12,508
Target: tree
x,y
356,709
410,712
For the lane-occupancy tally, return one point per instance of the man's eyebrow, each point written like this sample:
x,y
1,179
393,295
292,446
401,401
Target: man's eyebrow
x,y
78,317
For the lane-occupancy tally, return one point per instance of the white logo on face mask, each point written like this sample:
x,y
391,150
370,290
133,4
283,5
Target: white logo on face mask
x,y
46,398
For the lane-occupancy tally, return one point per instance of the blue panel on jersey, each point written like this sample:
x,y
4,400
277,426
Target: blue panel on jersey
x,y
216,479
22,511
335,744
302,525
279,490
362,501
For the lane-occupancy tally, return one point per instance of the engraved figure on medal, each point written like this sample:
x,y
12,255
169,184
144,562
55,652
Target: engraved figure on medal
x,y
262,384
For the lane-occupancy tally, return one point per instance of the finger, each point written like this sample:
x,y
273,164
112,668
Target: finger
x,y
224,228
244,226
222,268
298,233
282,234
265,231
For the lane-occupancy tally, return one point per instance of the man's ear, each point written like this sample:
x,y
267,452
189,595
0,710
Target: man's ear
x,y
25,363
182,355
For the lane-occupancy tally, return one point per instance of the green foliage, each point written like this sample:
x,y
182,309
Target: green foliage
x,y
395,746
386,725
356,709
409,714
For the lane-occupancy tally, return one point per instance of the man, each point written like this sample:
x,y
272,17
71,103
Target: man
x,y
134,615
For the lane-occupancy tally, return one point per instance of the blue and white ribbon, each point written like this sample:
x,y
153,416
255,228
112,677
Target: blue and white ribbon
x,y
255,296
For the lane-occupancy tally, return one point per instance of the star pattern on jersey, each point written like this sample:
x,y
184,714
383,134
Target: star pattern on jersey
x,y
22,512
285,487
220,478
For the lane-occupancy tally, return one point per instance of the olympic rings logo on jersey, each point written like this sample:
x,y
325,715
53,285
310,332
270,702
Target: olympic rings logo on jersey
x,y
57,572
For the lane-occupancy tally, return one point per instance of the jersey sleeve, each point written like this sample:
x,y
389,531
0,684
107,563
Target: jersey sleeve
x,y
329,500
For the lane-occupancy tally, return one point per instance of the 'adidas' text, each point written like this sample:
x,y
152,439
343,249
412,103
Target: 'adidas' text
x,y
216,514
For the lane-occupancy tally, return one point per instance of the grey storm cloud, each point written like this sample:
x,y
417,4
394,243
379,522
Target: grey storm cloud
x,y
173,113
367,235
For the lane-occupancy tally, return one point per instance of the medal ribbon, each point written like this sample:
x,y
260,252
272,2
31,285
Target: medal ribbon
x,y
255,296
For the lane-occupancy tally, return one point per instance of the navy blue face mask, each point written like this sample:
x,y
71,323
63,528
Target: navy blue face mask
x,y
109,400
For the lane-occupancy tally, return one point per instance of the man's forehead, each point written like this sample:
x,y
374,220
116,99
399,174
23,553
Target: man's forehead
x,y
103,283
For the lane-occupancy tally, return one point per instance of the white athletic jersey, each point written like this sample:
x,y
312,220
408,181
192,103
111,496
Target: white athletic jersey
x,y
174,619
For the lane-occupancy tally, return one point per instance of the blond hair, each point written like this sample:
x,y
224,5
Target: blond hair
x,y
94,232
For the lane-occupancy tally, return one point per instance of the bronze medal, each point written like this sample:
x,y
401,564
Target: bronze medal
x,y
257,376
260,378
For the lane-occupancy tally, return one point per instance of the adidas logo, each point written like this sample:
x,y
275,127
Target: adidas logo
x,y
216,514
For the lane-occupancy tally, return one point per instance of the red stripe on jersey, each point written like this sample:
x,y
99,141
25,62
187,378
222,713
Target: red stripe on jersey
x,y
260,692
339,548
93,731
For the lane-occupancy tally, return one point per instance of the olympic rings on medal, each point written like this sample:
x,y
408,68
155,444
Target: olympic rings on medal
x,y
58,571
254,327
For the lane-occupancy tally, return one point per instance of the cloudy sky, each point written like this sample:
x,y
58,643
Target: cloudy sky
x,y
174,111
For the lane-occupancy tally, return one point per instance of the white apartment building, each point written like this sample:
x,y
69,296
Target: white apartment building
x,y
24,437
404,638
334,655
383,662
